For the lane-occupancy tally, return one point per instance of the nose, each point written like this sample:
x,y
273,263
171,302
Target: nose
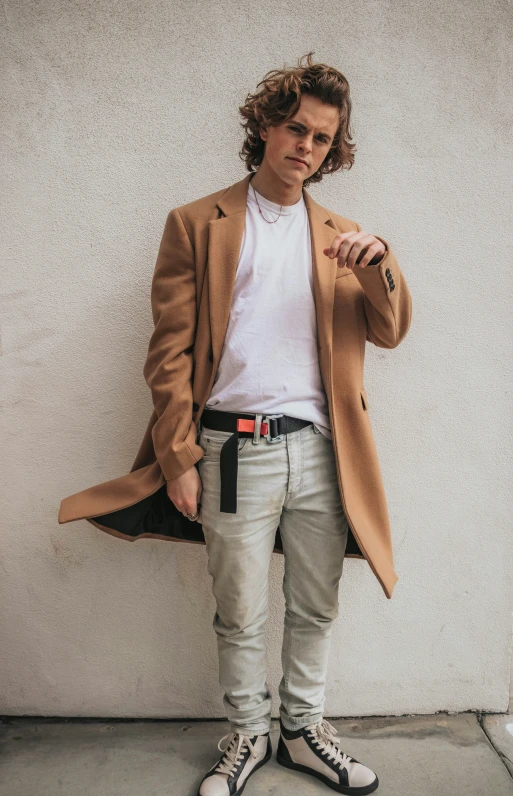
x,y
305,145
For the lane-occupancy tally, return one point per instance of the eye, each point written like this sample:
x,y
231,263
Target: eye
x,y
321,138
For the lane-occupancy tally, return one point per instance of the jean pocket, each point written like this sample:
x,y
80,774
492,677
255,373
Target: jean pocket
x,y
212,441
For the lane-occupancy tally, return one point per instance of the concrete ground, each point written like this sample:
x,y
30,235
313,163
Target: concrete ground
x,y
442,755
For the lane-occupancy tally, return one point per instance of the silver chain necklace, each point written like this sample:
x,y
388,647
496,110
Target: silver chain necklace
x,y
273,211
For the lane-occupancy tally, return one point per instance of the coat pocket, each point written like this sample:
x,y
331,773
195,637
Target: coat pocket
x,y
364,398
343,271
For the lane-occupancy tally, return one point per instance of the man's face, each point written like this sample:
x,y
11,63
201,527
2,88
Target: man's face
x,y
307,136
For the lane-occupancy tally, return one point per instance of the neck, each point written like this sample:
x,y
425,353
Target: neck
x,y
271,187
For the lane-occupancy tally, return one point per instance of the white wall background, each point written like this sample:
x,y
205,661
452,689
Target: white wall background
x,y
112,114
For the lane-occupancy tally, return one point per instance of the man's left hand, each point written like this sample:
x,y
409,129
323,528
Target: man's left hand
x,y
356,248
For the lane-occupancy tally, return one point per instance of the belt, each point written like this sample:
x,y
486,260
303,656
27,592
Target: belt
x,y
271,427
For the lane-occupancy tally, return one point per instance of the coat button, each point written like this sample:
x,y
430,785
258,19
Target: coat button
x,y
387,271
195,407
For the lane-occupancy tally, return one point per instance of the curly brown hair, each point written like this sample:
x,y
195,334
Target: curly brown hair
x,y
279,99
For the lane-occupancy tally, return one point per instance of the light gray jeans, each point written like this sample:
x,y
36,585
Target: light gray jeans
x,y
293,484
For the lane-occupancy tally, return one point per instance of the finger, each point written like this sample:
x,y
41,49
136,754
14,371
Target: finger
x,y
346,248
332,251
369,255
329,252
354,255
359,254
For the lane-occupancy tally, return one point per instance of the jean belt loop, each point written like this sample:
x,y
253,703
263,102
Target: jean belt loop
x,y
258,423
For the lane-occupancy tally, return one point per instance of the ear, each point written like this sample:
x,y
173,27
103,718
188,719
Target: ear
x,y
263,133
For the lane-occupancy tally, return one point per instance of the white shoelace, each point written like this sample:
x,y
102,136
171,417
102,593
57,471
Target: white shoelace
x,y
234,751
324,733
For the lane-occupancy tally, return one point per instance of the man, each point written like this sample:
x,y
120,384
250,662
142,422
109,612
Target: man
x,y
263,301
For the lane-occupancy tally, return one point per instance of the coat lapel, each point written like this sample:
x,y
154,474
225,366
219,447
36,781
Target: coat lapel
x,y
224,242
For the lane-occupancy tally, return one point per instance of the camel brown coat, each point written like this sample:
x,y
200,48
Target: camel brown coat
x,y
190,298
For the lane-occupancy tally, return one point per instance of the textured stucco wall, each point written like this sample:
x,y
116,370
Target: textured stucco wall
x,y
112,115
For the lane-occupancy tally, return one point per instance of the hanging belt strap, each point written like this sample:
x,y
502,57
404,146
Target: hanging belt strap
x,y
272,428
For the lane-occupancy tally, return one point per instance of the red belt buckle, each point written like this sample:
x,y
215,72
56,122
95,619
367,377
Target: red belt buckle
x,y
265,428
244,424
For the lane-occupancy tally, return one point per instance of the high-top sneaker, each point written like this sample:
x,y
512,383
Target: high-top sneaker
x,y
243,755
314,749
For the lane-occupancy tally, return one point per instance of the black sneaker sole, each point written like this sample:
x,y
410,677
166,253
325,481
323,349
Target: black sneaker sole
x,y
262,762
329,782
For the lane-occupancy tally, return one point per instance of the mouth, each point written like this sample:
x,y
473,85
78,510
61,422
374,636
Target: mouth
x,y
298,160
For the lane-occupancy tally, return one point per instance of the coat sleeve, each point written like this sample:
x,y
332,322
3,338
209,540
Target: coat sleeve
x,y
387,299
168,367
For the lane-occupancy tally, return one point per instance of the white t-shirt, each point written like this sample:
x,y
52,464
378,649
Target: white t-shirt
x,y
270,362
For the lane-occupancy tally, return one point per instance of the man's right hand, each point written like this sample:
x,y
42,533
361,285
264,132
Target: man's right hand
x,y
185,491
